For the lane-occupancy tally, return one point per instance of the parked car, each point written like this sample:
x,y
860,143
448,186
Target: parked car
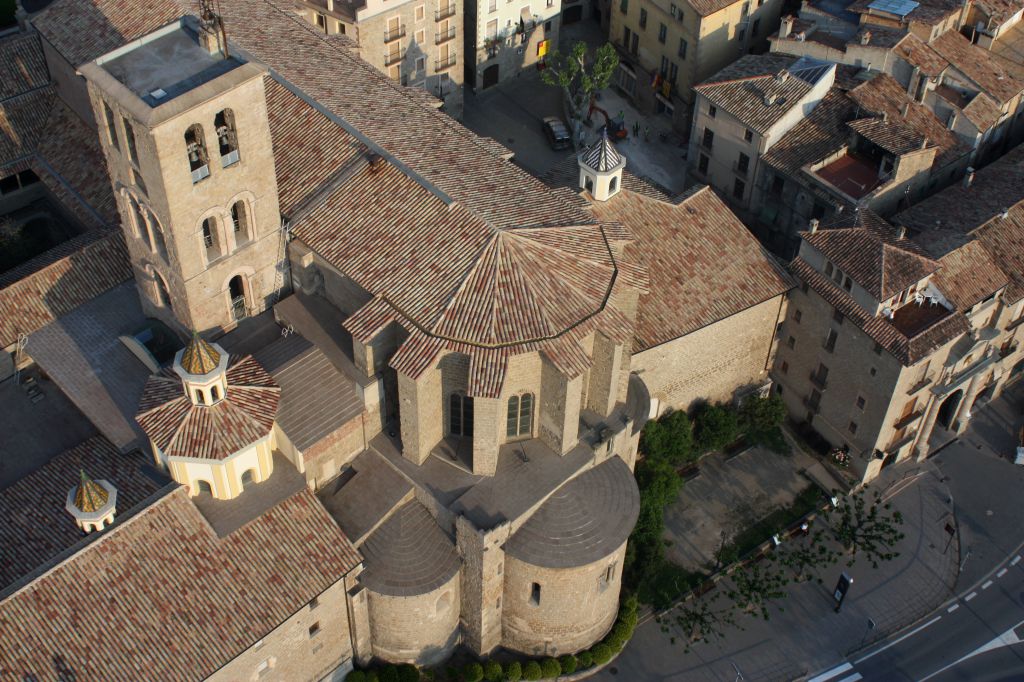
x,y
557,133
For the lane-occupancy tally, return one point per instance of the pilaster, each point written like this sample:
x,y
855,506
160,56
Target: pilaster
x,y
421,410
483,583
487,422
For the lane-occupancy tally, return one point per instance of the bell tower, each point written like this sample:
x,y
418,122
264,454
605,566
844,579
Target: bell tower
x,y
601,169
184,127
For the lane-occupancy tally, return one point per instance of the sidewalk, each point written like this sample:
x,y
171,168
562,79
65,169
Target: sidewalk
x,y
808,635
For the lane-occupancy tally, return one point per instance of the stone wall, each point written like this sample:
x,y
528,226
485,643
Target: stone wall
x,y
577,606
713,362
482,582
421,629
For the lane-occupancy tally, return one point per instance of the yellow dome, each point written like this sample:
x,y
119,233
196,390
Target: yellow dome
x,y
90,496
199,356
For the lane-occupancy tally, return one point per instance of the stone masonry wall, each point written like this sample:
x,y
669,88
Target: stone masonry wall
x,y
482,583
421,629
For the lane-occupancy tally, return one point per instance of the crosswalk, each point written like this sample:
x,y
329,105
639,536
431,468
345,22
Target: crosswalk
x,y
838,674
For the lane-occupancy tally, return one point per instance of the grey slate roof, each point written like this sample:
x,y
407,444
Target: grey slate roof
x,y
602,156
584,521
408,555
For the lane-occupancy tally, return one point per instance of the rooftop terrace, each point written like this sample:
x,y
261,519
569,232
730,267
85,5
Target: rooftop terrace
x,y
914,318
853,175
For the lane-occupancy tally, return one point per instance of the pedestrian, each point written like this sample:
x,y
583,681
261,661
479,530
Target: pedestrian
x,y
636,128
647,133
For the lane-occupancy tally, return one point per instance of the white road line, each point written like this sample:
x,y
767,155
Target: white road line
x,y
897,641
971,596
829,674
987,584
852,678
952,608
1016,560
1008,638
1002,572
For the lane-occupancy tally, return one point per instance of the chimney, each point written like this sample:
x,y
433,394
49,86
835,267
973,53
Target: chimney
x,y
814,225
781,76
969,177
905,110
952,120
769,99
924,143
865,37
377,163
1005,214
901,232
885,117
786,27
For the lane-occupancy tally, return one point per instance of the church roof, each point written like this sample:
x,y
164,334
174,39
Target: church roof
x,y
179,428
90,496
602,156
199,357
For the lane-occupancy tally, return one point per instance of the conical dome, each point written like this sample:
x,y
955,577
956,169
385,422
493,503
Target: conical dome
x,y
199,357
90,496
603,156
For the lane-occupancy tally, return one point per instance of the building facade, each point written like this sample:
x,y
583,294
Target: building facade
x,y
507,39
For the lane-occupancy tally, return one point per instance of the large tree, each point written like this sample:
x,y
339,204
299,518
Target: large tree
x,y
580,77
867,527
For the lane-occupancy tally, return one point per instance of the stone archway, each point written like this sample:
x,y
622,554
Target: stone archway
x,y
948,409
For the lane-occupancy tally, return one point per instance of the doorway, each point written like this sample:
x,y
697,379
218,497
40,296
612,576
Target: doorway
x,y
236,291
490,76
247,478
948,409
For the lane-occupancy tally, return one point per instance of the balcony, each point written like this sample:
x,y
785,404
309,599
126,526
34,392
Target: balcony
x,y
919,385
445,12
902,440
444,36
1015,323
909,419
1007,350
393,58
394,34
818,380
446,63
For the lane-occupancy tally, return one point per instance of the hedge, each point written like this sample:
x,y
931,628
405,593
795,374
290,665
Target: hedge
x,y
532,671
550,667
473,672
568,664
514,671
492,671
586,659
408,673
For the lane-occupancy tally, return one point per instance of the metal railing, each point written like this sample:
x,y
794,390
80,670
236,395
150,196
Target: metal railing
x,y
445,63
394,34
910,418
393,58
445,12
444,36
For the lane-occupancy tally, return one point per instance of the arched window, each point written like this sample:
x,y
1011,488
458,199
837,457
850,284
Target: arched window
x,y
195,146
200,398
460,415
214,394
236,290
204,487
240,222
163,296
613,185
227,137
210,239
247,477
158,239
520,415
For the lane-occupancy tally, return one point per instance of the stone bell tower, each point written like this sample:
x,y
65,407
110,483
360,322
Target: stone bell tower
x,y
183,124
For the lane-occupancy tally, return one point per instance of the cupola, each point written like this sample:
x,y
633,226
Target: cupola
x,y
601,169
202,367
92,503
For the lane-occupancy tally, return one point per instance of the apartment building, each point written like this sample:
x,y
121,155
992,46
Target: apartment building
x,y
416,43
666,47
506,38
897,333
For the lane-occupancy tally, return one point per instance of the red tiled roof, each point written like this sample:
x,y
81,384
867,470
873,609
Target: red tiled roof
x,y
968,275
36,526
703,264
22,66
744,88
979,65
179,428
918,53
867,249
160,596
818,135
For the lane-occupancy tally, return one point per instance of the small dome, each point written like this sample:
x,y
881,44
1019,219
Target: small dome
x,y
199,357
603,156
90,496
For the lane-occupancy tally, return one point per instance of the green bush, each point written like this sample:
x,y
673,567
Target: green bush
x,y
550,667
602,653
761,419
532,671
670,438
492,671
473,672
372,676
428,674
356,676
408,673
514,671
586,659
715,426
389,673
568,664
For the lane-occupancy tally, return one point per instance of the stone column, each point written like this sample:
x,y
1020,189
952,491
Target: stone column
x,y
560,399
483,583
604,375
422,412
925,432
487,424
358,620
963,410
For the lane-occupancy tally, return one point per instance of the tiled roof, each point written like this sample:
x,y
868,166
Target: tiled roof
x,y
602,156
1001,10
982,111
918,53
907,350
703,264
819,134
182,429
46,288
183,602
36,525
745,88
968,275
708,7
928,12
22,66
583,521
892,136
199,357
979,65
868,249
90,496
408,554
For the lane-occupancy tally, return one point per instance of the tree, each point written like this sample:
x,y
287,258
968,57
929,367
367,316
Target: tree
x,y
755,586
761,419
811,553
715,426
659,486
670,438
699,621
871,528
578,79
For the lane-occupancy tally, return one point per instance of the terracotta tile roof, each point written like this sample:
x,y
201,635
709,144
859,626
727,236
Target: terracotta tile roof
x,y
140,573
1001,10
968,275
36,525
602,156
978,64
199,357
892,136
907,350
745,88
928,12
867,248
22,66
918,53
703,264
708,7
182,429
58,281
819,134
982,111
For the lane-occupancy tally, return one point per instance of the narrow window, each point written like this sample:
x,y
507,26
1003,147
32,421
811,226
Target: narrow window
x,y
785,367
830,340
829,269
200,398
227,137
739,188
853,427
708,141
643,18
748,135
460,416
623,6
129,136
535,594
702,164
742,163
111,127
214,394
860,402
878,349
791,342
520,415
314,629
240,222
798,315
712,110
838,317
682,49
195,145
662,33
314,602
613,185
210,241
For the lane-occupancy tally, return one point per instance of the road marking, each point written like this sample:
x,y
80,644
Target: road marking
x,y
1001,573
952,608
987,584
852,678
897,641
829,674
1006,639
1016,560
971,596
